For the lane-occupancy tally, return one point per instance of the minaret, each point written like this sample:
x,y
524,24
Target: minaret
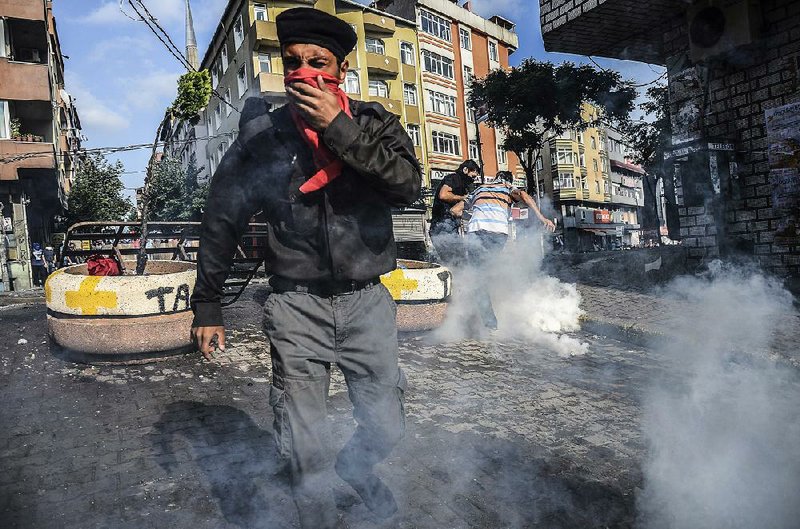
x,y
191,40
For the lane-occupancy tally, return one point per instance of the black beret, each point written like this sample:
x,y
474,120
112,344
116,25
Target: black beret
x,y
305,25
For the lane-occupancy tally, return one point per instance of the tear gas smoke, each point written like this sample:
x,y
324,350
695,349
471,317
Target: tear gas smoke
x,y
723,430
529,304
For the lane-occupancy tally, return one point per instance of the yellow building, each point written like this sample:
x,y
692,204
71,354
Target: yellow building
x,y
245,60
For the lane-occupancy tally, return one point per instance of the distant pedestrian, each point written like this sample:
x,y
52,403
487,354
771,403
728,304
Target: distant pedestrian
x,y
488,227
444,231
38,264
49,259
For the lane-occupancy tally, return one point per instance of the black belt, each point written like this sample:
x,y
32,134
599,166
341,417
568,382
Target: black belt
x,y
323,288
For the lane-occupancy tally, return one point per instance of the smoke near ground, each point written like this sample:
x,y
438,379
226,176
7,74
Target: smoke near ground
x,y
724,431
529,304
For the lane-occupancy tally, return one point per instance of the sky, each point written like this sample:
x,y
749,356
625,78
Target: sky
x,y
123,78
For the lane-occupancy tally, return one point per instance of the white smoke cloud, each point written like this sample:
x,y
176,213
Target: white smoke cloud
x,y
723,429
529,305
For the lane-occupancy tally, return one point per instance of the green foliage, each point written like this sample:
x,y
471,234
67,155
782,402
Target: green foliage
x,y
97,193
536,100
194,92
175,194
16,127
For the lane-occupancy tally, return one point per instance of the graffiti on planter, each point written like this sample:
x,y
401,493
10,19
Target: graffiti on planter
x,y
89,300
181,297
783,137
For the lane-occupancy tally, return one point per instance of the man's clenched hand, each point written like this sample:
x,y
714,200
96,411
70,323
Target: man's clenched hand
x,y
319,106
209,339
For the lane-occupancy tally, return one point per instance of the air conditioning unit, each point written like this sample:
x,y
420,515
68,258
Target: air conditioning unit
x,y
719,26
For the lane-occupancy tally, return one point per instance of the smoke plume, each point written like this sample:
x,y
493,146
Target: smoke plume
x,y
723,429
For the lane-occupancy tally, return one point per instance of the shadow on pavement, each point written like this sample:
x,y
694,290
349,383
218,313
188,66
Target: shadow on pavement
x,y
236,458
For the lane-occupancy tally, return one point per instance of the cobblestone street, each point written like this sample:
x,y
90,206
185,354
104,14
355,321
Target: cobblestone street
x,y
499,435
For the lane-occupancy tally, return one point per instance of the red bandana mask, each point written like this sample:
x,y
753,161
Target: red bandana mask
x,y
328,166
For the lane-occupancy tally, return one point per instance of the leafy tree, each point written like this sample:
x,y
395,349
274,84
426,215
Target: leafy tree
x,y
649,138
97,192
174,193
536,100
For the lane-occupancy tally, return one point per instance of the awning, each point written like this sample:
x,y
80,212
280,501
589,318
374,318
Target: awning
x,y
627,166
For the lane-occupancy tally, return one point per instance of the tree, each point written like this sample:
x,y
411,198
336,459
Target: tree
x,y
650,138
97,192
174,194
536,100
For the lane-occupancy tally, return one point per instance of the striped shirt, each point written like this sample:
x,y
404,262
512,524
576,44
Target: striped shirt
x,y
490,207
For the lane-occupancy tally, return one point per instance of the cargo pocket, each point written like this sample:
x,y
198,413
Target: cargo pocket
x,y
283,439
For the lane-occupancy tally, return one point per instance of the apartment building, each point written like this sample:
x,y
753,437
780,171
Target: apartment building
x,y
592,185
39,132
457,45
244,60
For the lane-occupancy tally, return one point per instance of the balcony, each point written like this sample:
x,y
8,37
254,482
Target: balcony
x,y
392,105
264,34
24,9
271,83
382,64
375,23
413,114
33,155
24,81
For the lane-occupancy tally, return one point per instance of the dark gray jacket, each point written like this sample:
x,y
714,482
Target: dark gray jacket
x,y
341,232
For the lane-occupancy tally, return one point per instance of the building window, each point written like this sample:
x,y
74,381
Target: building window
x,y
437,64
566,180
474,150
209,123
214,75
221,148
352,84
597,186
5,122
583,160
238,32
227,98
260,10
413,133
470,114
445,143
435,25
410,94
605,186
264,63
468,77
376,46
378,89
539,164
442,103
502,157
407,53
224,57
564,156
541,189
241,79
594,163
3,38
593,142
493,55
218,116
584,183
465,38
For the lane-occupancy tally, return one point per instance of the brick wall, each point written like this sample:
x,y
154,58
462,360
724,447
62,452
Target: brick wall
x,y
758,77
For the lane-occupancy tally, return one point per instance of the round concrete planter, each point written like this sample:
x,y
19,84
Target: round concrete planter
x,y
121,319
421,291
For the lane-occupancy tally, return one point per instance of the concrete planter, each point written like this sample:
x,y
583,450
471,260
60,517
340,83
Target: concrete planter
x,y
121,319
422,291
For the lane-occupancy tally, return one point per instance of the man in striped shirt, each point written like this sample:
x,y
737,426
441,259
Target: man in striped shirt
x,y
488,227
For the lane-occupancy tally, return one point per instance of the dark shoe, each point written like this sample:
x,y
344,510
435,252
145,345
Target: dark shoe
x,y
376,495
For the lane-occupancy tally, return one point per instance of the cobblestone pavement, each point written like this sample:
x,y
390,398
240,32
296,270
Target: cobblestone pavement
x,y
499,435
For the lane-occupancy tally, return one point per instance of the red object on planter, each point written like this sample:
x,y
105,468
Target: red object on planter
x,y
99,265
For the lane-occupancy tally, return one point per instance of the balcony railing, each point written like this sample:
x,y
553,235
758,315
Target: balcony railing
x,y
382,64
24,81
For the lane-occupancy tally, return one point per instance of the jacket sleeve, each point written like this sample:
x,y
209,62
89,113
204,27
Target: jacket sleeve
x,y
231,203
383,154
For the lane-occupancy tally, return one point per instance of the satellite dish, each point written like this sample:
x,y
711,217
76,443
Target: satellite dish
x,y
707,27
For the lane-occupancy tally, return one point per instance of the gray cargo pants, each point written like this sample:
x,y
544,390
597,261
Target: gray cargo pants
x,y
307,333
